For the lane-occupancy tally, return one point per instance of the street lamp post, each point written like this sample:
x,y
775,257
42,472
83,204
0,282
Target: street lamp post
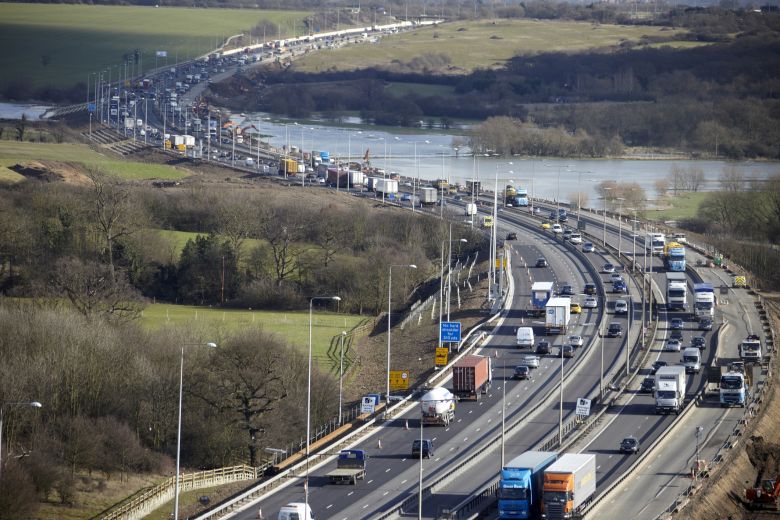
x,y
341,372
31,404
308,397
560,414
699,430
389,315
178,434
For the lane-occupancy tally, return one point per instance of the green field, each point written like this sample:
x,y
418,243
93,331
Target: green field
x,y
481,44
77,40
684,205
292,327
14,152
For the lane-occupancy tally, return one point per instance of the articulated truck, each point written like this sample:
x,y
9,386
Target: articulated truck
x,y
674,257
438,407
703,300
734,388
750,349
471,377
569,485
520,487
541,292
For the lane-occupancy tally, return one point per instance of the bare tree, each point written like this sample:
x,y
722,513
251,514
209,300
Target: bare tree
x,y
113,213
234,222
694,178
21,127
732,179
661,187
578,200
280,230
677,179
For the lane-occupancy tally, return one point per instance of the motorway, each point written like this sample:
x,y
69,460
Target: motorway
x,y
392,475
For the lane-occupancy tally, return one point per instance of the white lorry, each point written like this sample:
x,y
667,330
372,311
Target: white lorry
x,y
670,389
750,349
676,291
691,359
428,196
296,511
557,313
438,407
471,209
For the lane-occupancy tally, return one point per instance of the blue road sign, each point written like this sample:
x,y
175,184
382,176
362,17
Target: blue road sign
x,y
90,107
450,331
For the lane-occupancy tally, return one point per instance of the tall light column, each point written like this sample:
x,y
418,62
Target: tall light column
x,y
389,315
560,415
341,372
31,404
604,238
178,434
308,398
620,225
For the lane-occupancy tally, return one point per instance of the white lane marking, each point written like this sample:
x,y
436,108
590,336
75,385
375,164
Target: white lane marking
x,y
437,459
403,460
370,481
386,471
385,493
365,506
329,506
478,429
350,493
465,439
404,481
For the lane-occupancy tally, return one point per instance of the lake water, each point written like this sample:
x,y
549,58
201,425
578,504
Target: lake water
x,y
431,156
15,110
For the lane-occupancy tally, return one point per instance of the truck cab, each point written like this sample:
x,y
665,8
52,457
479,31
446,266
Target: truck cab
x,y
750,349
733,388
296,511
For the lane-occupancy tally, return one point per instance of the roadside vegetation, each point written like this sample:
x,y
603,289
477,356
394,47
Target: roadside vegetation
x,y
574,100
81,264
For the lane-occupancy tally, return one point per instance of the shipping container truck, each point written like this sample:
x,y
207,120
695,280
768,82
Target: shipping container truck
x,y
356,178
509,195
750,349
473,187
471,377
734,389
569,485
674,257
520,487
676,291
670,389
350,467
541,292
428,196
557,313
704,300
438,407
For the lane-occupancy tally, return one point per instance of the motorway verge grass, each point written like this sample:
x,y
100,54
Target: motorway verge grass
x,y
14,152
679,207
59,45
480,44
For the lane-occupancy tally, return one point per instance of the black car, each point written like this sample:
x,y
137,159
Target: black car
x,y
629,445
511,236
566,290
615,330
590,288
427,448
541,262
676,324
522,372
676,334
699,342
647,386
705,324
552,216
543,347
656,365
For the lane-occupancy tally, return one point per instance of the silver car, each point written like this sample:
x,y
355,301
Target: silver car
x,y
575,340
590,302
531,361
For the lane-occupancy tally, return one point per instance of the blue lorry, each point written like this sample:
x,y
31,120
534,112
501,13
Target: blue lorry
x,y
520,487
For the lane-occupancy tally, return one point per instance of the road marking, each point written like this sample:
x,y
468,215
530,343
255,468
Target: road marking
x,y
447,429
598,467
471,411
435,438
437,459
465,439
386,471
365,506
385,493
370,481
478,429
403,460
452,449
350,493
329,506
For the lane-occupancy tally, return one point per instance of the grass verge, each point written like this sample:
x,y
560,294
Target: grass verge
x,y
679,207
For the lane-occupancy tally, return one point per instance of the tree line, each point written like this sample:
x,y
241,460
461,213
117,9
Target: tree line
x,y
81,262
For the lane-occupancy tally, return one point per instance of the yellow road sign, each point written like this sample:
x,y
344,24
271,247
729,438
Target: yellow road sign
x,y
499,261
399,380
739,281
442,355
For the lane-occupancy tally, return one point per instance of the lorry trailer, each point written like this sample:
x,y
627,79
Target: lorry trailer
x,y
704,300
541,292
676,291
569,485
670,389
557,315
438,407
471,377
520,487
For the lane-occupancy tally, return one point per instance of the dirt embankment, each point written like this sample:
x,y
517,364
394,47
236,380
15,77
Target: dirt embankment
x,y
758,458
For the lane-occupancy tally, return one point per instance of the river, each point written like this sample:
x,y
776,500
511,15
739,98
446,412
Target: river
x,y
549,178
15,110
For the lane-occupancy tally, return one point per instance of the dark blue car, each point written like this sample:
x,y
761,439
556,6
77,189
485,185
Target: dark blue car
x,y
619,286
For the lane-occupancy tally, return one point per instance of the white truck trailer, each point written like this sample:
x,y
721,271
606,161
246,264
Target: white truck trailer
x,y
557,313
670,389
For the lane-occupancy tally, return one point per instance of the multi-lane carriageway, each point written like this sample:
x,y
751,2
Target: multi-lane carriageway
x,y
393,476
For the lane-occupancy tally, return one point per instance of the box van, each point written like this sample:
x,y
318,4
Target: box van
x,y
525,337
296,511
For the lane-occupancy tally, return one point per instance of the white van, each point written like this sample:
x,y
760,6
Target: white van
x,y
525,337
692,360
296,511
